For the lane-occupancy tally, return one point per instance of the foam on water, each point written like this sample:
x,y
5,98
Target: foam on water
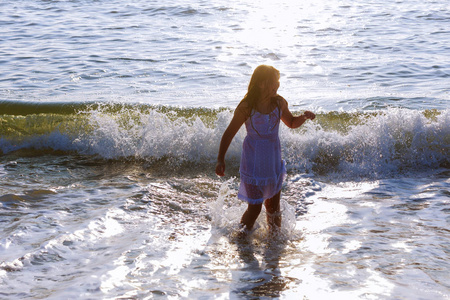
x,y
106,233
227,211
357,229
350,144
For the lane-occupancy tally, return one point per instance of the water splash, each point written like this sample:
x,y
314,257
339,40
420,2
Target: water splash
x,y
227,211
353,145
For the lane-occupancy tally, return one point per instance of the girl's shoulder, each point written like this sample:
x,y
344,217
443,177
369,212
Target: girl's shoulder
x,y
281,102
244,109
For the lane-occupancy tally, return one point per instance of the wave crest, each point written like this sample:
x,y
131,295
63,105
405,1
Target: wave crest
x,y
353,144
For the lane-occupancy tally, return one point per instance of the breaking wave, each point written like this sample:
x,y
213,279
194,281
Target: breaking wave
x,y
368,144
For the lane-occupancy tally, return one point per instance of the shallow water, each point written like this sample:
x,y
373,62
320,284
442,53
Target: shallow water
x,y
123,202
102,229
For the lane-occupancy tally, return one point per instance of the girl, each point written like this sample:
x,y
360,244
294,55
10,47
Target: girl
x,y
262,170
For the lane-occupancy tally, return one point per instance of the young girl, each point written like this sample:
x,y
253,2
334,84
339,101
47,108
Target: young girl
x,y
262,170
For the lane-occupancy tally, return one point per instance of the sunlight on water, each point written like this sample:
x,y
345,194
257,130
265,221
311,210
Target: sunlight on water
x,y
257,30
111,116
351,246
402,245
318,249
114,278
183,249
106,227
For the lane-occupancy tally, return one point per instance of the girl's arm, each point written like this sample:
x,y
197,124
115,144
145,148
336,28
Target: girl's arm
x,y
289,119
234,126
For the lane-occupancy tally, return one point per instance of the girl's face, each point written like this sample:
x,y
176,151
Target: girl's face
x,y
271,87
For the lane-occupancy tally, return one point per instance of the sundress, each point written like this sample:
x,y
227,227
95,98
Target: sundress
x,y
262,170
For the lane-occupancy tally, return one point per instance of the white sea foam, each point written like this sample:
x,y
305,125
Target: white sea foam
x,y
366,145
380,144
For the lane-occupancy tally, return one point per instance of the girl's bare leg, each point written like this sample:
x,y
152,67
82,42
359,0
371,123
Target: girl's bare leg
x,y
273,211
250,215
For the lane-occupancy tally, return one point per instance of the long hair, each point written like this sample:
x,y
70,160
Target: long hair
x,y
261,75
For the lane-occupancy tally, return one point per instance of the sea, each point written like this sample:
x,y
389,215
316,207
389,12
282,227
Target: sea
x,y
111,116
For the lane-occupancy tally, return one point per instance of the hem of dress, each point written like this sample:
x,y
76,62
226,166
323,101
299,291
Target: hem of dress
x,y
255,201
264,181
281,177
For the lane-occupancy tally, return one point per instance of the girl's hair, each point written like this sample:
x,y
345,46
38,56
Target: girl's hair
x,y
262,74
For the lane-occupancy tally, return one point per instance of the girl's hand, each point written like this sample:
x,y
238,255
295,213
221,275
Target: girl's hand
x,y
220,168
309,115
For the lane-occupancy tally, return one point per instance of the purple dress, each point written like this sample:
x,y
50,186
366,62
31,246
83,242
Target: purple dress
x,y
262,169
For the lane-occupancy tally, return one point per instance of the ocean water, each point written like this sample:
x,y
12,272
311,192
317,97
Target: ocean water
x,y
112,112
